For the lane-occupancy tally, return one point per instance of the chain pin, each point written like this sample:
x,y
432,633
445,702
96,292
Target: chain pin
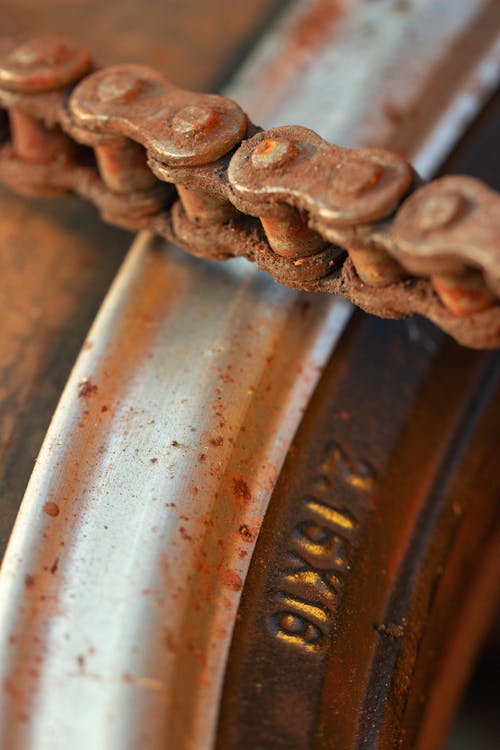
x,y
200,207
40,51
374,265
286,230
440,211
356,177
122,162
289,235
118,87
463,293
272,153
123,166
35,143
193,119
203,208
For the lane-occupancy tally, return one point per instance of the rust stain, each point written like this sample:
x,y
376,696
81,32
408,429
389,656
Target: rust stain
x,y
51,509
241,489
169,641
86,388
231,580
312,30
246,533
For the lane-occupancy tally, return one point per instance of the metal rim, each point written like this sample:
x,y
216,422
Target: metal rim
x,y
117,669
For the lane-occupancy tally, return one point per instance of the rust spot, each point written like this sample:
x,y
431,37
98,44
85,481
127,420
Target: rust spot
x,y
104,408
86,388
29,581
54,566
241,489
232,580
153,460
314,26
217,441
184,534
170,642
391,630
246,534
305,308
392,113
81,661
51,509
202,458
345,415
175,444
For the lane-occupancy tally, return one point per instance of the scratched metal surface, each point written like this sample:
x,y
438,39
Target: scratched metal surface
x,y
98,604
57,257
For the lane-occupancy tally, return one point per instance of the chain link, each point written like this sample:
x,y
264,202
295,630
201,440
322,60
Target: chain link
x,y
193,168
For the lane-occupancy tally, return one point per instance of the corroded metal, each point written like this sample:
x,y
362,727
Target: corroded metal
x,y
307,193
41,62
359,619
339,187
448,225
175,125
163,369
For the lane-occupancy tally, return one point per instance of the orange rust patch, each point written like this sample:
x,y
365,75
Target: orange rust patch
x,y
231,580
51,509
241,489
245,532
86,388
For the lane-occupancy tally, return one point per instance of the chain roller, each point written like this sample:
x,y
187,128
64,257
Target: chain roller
x,y
192,168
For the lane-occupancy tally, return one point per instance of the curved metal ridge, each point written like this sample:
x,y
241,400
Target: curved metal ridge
x,y
122,578
140,517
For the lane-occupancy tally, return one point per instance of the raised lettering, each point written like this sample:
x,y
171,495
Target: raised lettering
x,y
357,473
300,623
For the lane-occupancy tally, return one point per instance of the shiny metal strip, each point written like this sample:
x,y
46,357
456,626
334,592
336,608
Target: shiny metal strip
x,y
122,578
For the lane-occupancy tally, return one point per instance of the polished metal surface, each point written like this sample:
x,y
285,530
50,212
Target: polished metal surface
x,y
122,579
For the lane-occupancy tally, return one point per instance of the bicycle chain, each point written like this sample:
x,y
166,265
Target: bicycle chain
x,y
193,168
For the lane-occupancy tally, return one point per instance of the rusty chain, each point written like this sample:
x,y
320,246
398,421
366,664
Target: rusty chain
x,y
192,168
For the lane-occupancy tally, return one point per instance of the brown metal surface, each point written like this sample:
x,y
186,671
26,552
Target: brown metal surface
x,y
364,565
375,573
53,268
